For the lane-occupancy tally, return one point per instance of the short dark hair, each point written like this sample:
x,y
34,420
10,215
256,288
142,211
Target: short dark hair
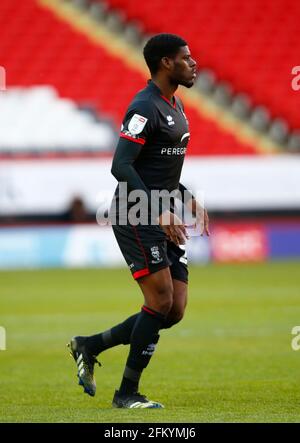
x,y
159,46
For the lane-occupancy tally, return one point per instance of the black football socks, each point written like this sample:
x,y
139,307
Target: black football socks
x,y
117,335
143,340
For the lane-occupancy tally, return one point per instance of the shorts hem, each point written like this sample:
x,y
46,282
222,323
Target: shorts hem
x,y
141,273
184,280
146,271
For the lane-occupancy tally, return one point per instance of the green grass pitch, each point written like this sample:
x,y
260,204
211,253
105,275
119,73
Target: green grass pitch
x,y
229,360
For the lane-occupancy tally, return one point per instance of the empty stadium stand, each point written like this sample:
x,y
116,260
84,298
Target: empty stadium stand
x,y
38,49
253,45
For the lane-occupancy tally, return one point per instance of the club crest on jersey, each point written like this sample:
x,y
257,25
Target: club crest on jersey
x,y
170,120
137,124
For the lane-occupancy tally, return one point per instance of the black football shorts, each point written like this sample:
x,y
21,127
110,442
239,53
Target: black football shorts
x,y
147,250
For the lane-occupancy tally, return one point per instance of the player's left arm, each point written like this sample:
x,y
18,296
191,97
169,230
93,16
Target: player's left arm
x,y
198,211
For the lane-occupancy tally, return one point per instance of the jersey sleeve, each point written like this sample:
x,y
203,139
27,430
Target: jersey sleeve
x,y
138,126
139,123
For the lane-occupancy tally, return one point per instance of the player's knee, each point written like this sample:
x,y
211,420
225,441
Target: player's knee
x,y
173,319
164,299
178,317
165,305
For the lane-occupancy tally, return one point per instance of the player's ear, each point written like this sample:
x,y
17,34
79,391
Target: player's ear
x,y
167,63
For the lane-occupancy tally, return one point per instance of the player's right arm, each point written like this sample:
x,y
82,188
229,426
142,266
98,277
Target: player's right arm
x,y
139,124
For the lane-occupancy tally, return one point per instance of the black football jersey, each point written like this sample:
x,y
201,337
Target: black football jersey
x,y
153,142
162,129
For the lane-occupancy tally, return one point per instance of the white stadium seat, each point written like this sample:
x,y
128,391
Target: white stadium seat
x,y
37,120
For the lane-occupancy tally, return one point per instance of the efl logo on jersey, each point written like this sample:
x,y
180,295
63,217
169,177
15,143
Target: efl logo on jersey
x,y
137,124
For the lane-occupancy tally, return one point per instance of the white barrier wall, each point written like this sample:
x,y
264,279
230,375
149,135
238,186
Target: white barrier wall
x,y
48,186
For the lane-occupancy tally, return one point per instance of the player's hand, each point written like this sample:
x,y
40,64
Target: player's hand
x,y
203,222
173,228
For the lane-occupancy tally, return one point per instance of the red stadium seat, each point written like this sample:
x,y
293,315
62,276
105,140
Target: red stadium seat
x,y
253,45
36,48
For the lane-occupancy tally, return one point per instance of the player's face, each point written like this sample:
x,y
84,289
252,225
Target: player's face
x,y
184,68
